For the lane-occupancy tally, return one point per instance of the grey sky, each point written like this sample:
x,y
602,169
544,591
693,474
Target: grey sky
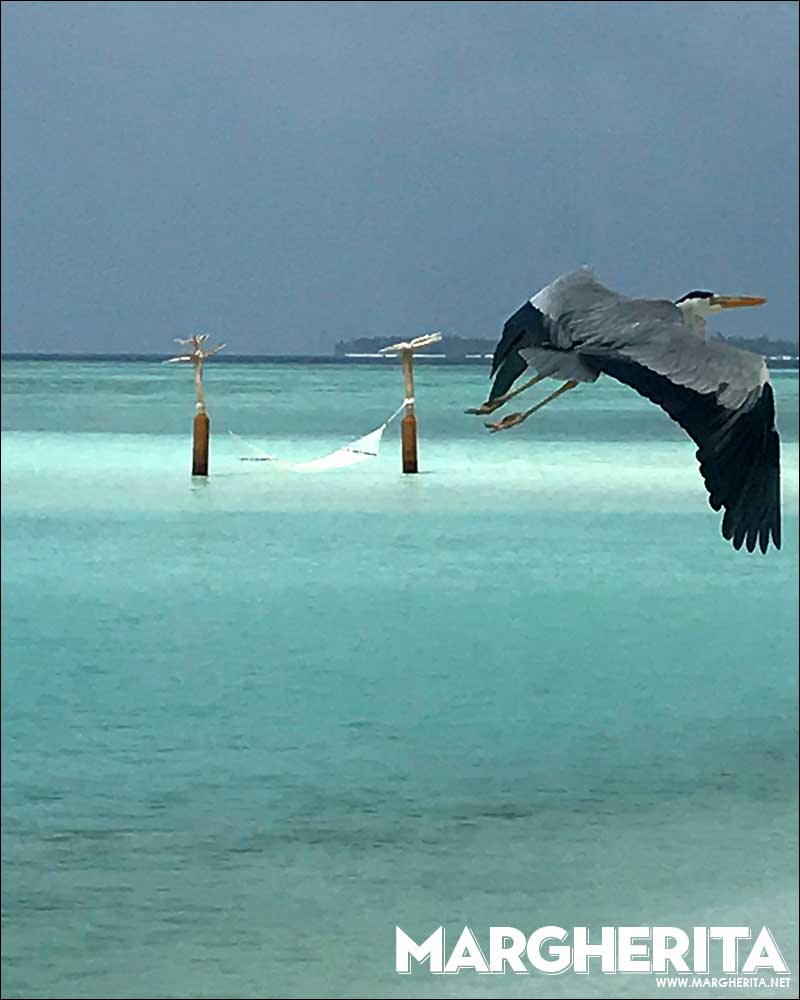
x,y
283,175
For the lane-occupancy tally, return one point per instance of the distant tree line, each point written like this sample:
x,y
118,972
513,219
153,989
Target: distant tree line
x,y
460,347
765,346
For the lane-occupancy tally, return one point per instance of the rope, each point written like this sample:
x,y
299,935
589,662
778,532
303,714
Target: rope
x,y
397,412
262,455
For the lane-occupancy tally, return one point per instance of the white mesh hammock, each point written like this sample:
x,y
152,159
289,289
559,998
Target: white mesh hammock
x,y
361,450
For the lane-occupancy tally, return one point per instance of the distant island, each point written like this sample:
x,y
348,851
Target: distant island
x,y
471,350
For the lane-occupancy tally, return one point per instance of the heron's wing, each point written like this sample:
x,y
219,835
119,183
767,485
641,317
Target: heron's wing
x,y
652,333
536,324
722,398
575,293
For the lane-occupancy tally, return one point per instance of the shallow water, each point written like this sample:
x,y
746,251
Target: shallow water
x,y
252,724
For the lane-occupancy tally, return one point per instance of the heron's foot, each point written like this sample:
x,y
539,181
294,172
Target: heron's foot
x,y
510,421
485,408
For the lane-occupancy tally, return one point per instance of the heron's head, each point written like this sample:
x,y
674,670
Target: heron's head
x,y
700,302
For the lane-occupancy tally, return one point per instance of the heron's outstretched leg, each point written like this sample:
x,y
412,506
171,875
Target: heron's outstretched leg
x,y
516,418
493,404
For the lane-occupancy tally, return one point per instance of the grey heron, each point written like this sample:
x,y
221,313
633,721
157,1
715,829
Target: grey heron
x,y
576,329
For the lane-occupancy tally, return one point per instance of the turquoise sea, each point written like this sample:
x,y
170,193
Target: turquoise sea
x,y
252,724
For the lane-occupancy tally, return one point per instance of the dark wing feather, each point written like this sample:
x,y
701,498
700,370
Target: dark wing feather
x,y
510,369
526,328
738,449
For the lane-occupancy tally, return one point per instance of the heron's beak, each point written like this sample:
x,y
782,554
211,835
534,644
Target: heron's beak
x,y
735,301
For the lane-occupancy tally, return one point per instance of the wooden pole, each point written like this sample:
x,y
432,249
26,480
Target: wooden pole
x,y
409,422
202,425
200,440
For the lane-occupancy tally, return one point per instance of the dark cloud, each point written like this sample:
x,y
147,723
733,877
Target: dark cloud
x,y
283,175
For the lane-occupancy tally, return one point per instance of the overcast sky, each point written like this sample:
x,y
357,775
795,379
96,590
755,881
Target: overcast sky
x,y
285,175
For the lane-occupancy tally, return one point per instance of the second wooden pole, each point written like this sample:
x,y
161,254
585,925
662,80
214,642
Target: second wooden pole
x,y
409,422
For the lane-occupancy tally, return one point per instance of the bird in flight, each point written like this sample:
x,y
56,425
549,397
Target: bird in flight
x,y
576,329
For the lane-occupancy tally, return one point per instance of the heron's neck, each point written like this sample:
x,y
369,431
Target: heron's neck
x,y
694,317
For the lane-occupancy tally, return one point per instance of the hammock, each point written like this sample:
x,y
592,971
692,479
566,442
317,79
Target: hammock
x,y
353,453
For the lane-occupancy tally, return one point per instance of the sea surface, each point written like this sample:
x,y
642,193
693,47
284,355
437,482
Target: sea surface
x,y
250,725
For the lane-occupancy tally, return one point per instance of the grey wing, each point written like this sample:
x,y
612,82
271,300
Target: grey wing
x,y
719,395
575,293
532,335
652,333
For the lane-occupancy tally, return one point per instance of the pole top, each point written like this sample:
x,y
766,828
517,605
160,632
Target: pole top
x,y
414,345
199,352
